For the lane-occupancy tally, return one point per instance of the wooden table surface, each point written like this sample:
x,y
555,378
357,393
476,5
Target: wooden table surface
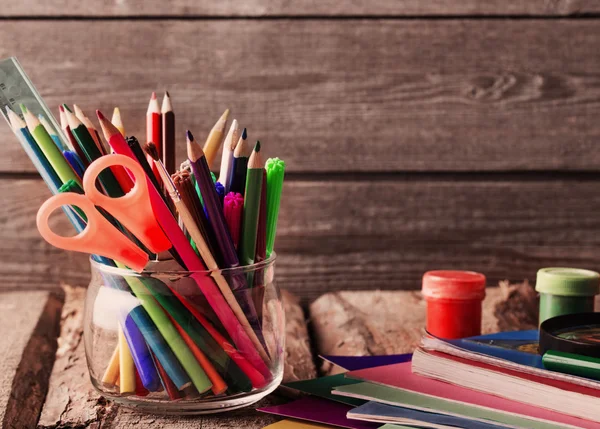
x,y
44,381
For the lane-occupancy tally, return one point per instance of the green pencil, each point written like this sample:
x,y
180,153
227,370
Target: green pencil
x,y
275,172
92,153
169,333
254,177
47,145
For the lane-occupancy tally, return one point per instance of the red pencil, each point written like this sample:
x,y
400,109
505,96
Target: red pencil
x,y
233,206
154,130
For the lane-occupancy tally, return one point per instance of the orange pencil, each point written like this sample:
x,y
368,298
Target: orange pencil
x,y
219,385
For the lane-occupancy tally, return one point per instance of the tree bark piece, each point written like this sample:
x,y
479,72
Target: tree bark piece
x,y
73,402
29,322
392,322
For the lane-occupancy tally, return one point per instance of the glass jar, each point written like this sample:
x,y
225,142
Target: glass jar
x,y
173,342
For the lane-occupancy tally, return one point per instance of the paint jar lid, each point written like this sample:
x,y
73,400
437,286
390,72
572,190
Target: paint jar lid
x,y
568,281
449,284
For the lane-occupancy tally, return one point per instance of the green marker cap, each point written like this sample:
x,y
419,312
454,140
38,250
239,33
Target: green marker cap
x,y
568,282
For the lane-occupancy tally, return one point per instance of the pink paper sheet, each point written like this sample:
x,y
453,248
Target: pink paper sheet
x,y
400,376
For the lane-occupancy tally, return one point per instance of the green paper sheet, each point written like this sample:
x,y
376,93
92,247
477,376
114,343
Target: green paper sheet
x,y
404,398
323,386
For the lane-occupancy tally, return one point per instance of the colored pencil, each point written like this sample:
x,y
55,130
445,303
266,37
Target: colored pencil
x,y
51,131
154,128
237,175
170,335
227,156
91,129
141,355
126,366
218,384
261,232
161,351
172,302
254,177
140,156
275,169
111,374
215,137
168,134
117,121
190,260
226,247
72,142
220,192
75,163
92,153
47,145
34,152
206,255
233,206
167,383
184,183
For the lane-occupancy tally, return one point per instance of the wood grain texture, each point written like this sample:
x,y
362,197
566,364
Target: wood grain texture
x,y
260,8
29,322
352,235
72,401
339,95
381,322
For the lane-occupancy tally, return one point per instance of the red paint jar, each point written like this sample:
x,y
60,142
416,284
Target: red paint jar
x,y
453,303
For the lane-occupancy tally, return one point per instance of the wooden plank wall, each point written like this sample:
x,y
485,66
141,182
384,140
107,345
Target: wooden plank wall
x,y
419,135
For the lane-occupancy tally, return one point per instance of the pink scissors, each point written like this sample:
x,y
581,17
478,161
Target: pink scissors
x,y
100,237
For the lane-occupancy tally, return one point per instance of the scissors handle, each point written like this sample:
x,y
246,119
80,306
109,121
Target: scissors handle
x,y
98,237
133,209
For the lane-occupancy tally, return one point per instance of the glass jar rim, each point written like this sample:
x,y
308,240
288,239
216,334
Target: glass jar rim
x,y
152,273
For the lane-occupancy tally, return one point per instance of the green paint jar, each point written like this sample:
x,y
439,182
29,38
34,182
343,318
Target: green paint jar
x,y
566,291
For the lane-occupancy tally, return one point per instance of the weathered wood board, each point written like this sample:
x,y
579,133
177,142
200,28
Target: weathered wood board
x,y
30,325
340,95
269,8
349,234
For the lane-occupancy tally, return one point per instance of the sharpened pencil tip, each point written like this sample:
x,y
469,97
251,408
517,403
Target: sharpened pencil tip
x,y
167,94
244,134
100,115
257,146
153,96
23,108
189,135
67,108
61,109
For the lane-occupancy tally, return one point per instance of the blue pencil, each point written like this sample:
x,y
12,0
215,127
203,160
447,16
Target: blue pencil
x,y
142,357
159,347
75,162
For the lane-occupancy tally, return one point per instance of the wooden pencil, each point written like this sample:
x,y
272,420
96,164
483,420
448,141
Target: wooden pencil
x,y
227,156
117,121
64,124
168,133
214,139
154,123
237,175
91,128
252,197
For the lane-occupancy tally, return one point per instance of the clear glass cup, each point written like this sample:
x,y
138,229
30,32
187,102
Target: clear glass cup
x,y
173,342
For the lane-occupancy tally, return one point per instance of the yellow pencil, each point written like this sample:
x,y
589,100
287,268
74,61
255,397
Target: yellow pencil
x,y
214,139
117,121
126,366
111,375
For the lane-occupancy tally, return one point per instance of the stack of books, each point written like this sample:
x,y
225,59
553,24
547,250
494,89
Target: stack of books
x,y
491,381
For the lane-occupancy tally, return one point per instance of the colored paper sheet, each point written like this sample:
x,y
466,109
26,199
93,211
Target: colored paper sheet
x,y
323,386
400,377
406,399
354,363
382,413
290,424
318,410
